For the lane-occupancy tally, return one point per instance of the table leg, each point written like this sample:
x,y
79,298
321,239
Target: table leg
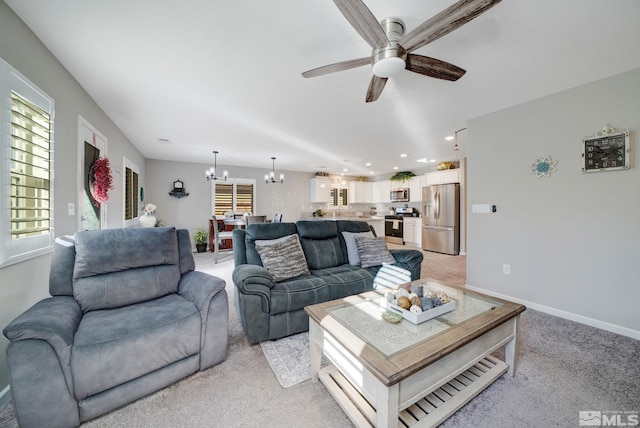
x,y
387,405
511,348
315,350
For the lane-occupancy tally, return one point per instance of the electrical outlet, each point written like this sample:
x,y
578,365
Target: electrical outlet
x,y
506,269
71,208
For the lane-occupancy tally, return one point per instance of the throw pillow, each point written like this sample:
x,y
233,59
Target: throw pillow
x,y
352,248
373,251
282,257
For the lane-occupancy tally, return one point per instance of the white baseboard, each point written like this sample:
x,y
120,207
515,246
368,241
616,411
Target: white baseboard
x,y
634,334
4,396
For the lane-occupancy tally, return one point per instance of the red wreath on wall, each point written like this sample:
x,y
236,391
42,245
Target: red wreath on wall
x,y
100,181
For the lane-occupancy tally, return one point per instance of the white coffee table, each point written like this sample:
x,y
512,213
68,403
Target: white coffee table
x,y
383,373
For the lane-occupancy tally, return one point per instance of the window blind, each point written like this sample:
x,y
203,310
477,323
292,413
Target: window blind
x,y
223,198
30,169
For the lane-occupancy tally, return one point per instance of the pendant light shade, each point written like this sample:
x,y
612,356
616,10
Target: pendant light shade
x,y
211,172
271,176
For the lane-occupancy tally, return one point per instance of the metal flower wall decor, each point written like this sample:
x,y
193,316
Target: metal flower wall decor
x,y
543,167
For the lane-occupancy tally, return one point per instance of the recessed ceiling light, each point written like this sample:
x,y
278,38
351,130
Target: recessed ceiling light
x,y
449,137
345,170
371,172
403,155
367,164
423,160
395,167
432,160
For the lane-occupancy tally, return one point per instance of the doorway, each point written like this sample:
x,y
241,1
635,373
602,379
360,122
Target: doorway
x,y
91,145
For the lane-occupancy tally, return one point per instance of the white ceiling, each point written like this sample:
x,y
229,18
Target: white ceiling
x,y
225,75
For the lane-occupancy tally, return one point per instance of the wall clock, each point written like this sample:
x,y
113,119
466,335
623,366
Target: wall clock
x,y
607,150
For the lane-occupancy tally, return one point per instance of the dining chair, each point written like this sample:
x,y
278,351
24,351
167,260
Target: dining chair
x,y
277,218
253,219
219,236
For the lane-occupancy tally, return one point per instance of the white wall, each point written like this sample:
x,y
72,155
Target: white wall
x,y
23,284
573,239
194,211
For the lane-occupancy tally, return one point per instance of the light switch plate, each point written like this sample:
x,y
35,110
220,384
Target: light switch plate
x,y
480,208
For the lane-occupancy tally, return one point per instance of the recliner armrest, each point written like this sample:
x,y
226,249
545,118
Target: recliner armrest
x,y
199,288
54,320
245,277
410,259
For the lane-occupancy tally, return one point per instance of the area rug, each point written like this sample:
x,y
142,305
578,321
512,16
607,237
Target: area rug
x,y
289,358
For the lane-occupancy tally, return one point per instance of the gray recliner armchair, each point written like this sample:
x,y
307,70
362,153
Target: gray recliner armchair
x,y
128,316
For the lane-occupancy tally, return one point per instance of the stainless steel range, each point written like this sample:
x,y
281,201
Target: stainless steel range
x,y
394,225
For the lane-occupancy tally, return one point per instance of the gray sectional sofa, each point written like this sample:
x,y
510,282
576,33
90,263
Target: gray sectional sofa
x,y
128,316
271,309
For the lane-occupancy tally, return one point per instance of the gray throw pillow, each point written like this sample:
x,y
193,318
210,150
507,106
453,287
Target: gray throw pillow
x,y
282,257
373,251
352,248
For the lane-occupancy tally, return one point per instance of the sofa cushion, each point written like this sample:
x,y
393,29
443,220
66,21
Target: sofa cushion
x,y
320,243
118,267
114,346
296,293
352,248
282,257
373,251
345,280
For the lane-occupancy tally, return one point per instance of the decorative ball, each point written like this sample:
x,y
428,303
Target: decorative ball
x,y
389,296
427,303
430,294
415,309
394,302
417,289
412,295
436,301
416,301
443,297
401,293
404,302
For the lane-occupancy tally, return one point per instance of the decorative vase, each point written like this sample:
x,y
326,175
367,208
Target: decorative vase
x,y
147,220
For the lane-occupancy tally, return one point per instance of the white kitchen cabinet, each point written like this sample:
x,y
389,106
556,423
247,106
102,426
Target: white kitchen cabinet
x,y
415,189
380,192
441,177
359,192
320,189
412,228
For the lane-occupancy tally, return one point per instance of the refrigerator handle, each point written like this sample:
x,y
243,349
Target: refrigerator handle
x,y
436,199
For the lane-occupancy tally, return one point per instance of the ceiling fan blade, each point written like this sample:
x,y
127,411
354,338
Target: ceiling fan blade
x,y
338,66
433,67
375,88
445,22
363,21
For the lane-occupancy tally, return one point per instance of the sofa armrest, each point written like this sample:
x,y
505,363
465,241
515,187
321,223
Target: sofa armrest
x,y
54,320
410,259
256,280
199,288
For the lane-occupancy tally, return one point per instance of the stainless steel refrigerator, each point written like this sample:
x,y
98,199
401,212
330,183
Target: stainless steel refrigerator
x,y
441,218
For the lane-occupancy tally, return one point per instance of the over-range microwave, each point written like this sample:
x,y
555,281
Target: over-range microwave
x,y
400,195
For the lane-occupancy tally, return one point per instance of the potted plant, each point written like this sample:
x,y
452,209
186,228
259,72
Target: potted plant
x,y
200,239
402,176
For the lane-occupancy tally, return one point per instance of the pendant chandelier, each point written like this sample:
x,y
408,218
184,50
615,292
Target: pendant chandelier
x,y
271,177
211,172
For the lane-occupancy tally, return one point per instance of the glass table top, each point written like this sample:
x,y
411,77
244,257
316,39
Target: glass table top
x,y
364,318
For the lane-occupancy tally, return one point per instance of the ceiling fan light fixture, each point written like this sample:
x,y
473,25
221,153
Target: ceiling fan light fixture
x,y
389,61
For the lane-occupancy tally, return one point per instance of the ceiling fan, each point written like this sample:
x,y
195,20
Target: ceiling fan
x,y
391,47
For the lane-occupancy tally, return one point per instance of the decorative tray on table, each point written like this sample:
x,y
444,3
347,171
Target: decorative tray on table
x,y
432,304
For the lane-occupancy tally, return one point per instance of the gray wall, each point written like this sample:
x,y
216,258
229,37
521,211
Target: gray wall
x,y
23,284
194,211
573,239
